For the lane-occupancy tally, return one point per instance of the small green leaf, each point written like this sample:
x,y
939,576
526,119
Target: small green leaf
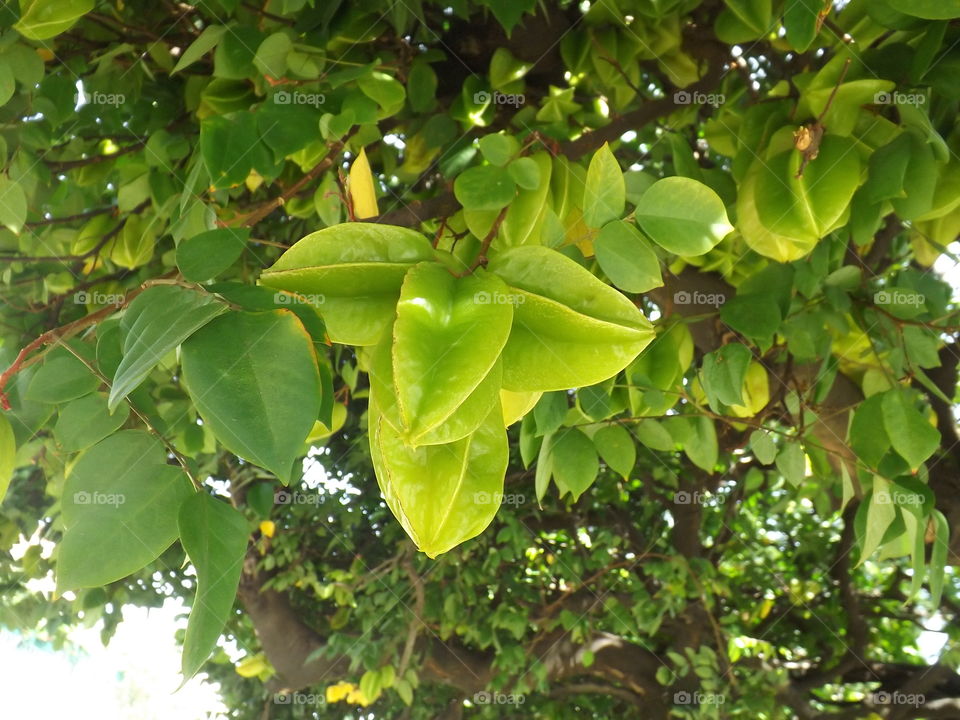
x,y
575,462
214,536
763,447
525,172
205,42
87,421
911,435
881,512
208,254
724,372
616,448
498,148
605,193
792,462
626,258
13,205
62,377
683,216
486,187
8,455
44,19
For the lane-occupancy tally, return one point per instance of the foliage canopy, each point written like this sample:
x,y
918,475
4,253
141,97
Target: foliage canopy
x,y
623,313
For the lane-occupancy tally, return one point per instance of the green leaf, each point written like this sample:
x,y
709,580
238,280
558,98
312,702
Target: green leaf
x,y
353,273
421,86
654,435
8,455
755,316
575,462
880,514
800,20
868,438
214,536
544,467
569,328
525,172
448,335
763,447
911,435
810,206
13,205
205,42
550,411
87,421
928,9
464,419
604,193
724,372
699,439
208,254
231,147
486,187
135,244
626,258
617,449
271,57
498,148
792,462
683,216
509,12
43,19
442,495
119,508
259,408
938,557
62,377
154,324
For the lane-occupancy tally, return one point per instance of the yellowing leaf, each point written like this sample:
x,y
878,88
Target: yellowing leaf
x,y
340,691
517,404
268,528
362,190
252,666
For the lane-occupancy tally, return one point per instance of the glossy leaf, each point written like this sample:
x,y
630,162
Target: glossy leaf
x,y
570,329
626,258
486,187
616,448
448,336
353,273
442,495
911,435
604,194
683,216
575,462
